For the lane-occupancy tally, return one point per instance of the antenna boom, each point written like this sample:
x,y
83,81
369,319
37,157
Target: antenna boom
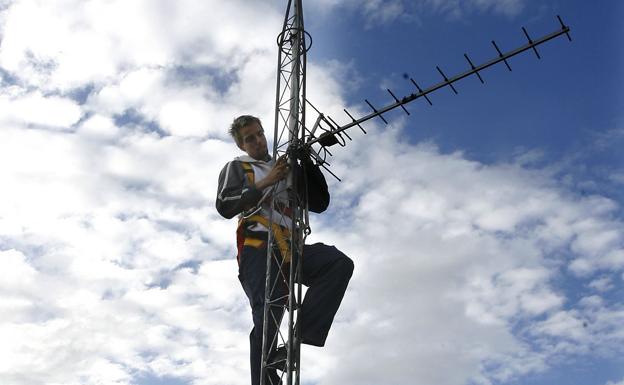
x,y
532,44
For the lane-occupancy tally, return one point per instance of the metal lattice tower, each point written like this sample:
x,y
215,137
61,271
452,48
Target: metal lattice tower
x,y
283,294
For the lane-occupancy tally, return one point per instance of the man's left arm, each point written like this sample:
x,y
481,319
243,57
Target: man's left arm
x,y
318,193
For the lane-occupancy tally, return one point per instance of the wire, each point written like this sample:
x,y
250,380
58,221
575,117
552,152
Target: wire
x,y
254,210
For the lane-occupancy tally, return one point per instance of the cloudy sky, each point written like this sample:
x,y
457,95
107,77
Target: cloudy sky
x,y
487,230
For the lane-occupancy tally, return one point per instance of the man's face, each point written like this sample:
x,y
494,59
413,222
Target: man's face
x,y
253,141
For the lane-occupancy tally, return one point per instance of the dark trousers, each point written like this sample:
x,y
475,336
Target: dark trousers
x,y
325,271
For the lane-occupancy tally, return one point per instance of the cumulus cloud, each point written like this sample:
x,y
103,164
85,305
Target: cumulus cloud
x,y
60,46
378,12
601,284
33,109
115,266
483,257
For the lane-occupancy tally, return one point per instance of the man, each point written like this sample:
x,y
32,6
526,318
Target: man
x,y
252,180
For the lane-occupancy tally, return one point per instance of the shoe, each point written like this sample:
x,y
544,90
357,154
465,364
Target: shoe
x,y
277,359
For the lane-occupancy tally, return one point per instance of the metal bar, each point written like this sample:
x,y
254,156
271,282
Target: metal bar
x,y
377,112
421,91
338,125
397,100
289,119
353,119
270,236
329,171
316,124
297,111
564,27
312,105
473,67
424,93
326,150
446,80
500,54
530,42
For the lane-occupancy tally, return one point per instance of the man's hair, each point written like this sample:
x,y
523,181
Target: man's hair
x,y
240,122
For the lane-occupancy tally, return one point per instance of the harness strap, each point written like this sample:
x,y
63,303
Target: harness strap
x,y
249,172
281,234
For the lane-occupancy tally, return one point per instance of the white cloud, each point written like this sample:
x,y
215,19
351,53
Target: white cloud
x,y
34,109
383,12
592,301
621,382
98,222
601,284
100,127
505,7
62,46
480,256
564,324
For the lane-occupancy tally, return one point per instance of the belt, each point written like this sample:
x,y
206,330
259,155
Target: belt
x,y
280,234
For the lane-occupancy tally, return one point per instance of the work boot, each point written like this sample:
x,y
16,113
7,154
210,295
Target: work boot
x,y
277,359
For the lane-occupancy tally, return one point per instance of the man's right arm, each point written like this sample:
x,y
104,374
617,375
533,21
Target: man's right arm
x,y
235,194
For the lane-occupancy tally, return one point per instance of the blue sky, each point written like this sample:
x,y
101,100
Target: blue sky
x,y
580,78
567,107
562,106
487,230
557,105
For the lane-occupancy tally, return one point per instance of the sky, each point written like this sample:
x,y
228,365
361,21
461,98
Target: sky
x,y
487,230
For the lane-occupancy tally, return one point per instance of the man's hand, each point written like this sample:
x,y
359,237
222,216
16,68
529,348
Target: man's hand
x,y
277,173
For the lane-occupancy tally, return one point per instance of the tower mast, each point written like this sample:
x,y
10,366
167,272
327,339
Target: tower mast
x,y
293,43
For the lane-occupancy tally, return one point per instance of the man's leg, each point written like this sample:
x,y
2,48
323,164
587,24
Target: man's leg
x,y
326,272
252,274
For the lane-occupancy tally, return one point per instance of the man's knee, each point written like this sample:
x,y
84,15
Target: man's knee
x,y
349,266
345,265
342,262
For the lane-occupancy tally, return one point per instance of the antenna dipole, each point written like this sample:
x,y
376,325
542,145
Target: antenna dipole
x,y
286,235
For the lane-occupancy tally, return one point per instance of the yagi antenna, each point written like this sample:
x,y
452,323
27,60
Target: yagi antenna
x,y
327,138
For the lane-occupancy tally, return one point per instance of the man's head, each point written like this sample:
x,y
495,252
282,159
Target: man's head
x,y
248,133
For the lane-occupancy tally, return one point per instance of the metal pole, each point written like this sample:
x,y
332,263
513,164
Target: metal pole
x,y
288,133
